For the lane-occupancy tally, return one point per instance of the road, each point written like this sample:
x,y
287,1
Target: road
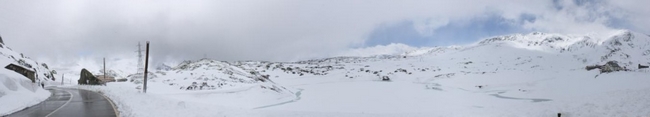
x,y
70,103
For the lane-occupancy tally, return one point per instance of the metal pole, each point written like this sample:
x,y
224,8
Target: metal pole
x,y
146,66
104,69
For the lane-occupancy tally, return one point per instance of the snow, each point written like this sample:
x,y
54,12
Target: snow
x,y
536,74
515,80
16,91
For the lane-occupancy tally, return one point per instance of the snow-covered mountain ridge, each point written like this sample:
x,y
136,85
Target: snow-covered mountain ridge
x,y
561,42
542,71
619,45
42,70
217,75
625,46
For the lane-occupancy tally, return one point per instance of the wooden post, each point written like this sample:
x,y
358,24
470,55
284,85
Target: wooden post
x,y
146,66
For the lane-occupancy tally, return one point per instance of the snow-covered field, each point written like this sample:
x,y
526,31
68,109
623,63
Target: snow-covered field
x,y
534,74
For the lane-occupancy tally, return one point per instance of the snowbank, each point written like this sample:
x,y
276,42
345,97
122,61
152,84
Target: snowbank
x,y
18,92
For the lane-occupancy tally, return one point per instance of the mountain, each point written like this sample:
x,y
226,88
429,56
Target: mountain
x,y
545,49
217,75
502,75
534,74
625,46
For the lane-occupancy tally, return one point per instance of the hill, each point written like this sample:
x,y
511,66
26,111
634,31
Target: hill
x,y
16,90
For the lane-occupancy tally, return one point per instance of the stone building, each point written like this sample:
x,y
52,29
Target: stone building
x,y
105,78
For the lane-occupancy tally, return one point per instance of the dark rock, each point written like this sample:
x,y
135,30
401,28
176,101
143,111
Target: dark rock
x,y
642,66
589,68
23,71
88,78
385,78
610,66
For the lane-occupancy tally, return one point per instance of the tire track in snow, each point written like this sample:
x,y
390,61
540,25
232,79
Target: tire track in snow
x,y
282,103
498,95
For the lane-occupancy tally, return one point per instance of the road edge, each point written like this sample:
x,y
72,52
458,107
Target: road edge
x,y
25,108
117,112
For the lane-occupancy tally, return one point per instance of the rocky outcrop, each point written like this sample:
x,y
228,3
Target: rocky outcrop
x,y
591,67
610,66
385,78
642,66
22,71
88,78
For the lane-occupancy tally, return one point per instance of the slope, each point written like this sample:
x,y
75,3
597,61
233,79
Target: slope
x,y
17,91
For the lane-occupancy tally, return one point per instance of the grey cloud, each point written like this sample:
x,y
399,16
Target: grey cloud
x,y
282,30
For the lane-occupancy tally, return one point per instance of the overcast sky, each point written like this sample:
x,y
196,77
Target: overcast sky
x,y
59,31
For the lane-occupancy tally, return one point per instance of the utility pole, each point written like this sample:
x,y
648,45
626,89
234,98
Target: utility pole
x,y
146,66
104,69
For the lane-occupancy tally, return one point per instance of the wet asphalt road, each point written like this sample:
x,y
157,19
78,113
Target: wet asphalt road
x,y
70,103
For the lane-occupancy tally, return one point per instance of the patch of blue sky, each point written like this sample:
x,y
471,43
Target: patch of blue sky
x,y
454,33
